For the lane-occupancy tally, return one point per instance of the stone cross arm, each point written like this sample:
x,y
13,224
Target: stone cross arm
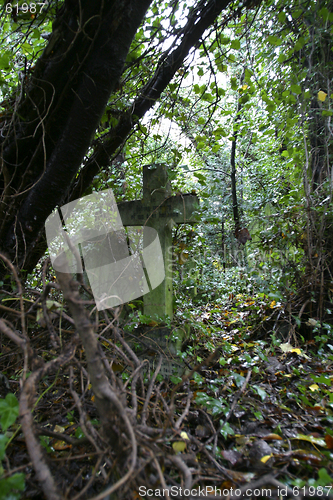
x,y
180,209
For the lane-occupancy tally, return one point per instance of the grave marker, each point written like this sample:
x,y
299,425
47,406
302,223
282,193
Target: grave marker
x,y
161,211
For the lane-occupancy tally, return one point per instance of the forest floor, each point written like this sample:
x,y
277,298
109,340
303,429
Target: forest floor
x,y
256,407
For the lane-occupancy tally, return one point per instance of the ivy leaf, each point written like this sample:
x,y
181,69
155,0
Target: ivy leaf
x,y
9,410
16,482
239,379
324,477
226,430
260,392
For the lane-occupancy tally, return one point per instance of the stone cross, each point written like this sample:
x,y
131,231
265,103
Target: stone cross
x,y
160,210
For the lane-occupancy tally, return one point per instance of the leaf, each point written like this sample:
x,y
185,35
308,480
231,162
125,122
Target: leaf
x,y
238,379
329,441
235,44
36,34
3,442
179,446
273,437
9,410
26,48
296,89
322,379
311,439
260,392
282,17
184,435
61,445
4,61
233,83
79,434
59,428
226,430
175,380
274,40
314,387
266,458
232,456
224,40
286,347
324,478
16,481
322,96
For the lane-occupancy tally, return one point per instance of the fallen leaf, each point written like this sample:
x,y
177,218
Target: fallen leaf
x,y
179,446
59,428
311,439
273,437
266,458
61,445
329,441
232,456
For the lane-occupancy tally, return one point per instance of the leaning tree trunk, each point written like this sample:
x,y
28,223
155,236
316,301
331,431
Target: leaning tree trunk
x,y
52,129
49,135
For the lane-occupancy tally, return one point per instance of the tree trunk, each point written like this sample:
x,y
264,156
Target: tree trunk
x,y
54,125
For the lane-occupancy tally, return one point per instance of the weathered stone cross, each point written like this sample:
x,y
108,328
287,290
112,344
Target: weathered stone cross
x,y
159,210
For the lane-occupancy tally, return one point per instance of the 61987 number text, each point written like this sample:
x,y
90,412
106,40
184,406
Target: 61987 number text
x,y
33,8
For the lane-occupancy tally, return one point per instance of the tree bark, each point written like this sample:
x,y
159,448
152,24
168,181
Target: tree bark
x,y
64,102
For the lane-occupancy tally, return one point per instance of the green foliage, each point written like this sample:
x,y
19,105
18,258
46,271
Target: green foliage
x,y
7,485
9,410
